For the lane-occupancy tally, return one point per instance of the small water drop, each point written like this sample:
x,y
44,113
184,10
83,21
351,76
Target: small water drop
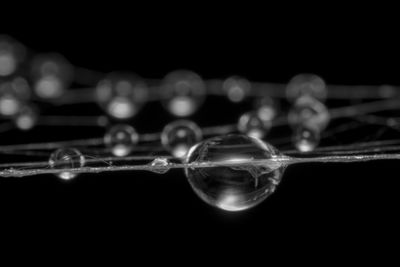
x,y
306,139
253,125
160,165
177,137
121,139
66,158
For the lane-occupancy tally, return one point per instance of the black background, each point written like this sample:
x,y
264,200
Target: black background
x,y
319,209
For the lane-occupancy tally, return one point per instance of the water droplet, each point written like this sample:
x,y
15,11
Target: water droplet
x,y
66,158
234,187
160,165
236,88
266,108
121,95
310,113
52,74
178,136
14,93
183,92
26,118
12,53
306,85
121,139
252,125
306,139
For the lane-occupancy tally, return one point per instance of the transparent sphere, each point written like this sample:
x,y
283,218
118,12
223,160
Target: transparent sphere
x,y
309,112
266,108
121,139
306,139
306,85
11,55
52,75
244,176
252,125
14,93
66,158
183,92
179,136
160,165
26,117
236,88
121,95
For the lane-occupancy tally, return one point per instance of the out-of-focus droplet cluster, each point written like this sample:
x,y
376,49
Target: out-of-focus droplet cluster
x,y
236,88
308,116
122,95
12,54
183,92
52,75
234,183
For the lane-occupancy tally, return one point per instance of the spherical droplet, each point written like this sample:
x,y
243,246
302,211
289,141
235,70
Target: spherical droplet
x,y
160,165
306,139
14,93
52,75
306,85
243,173
183,92
121,95
121,139
309,112
66,158
236,88
252,125
178,136
26,117
11,55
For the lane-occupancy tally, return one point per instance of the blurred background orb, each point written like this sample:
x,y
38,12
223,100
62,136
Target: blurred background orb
x,y
12,53
252,124
306,138
52,75
237,183
121,95
183,92
266,107
236,88
26,117
309,112
14,93
306,85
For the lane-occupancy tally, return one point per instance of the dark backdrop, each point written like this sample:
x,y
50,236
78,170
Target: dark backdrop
x,y
316,205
